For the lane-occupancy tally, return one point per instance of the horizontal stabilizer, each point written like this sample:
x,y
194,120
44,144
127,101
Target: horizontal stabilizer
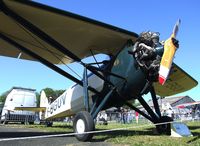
x,y
35,109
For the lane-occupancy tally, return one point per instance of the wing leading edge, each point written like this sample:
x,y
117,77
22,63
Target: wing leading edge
x,y
78,34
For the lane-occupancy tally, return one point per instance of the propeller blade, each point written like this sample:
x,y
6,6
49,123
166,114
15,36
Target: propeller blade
x,y
176,28
168,55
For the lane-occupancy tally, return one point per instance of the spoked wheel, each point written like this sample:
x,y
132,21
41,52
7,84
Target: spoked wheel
x,y
164,128
83,122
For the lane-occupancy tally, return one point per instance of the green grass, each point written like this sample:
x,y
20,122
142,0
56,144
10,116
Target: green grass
x,y
134,134
147,136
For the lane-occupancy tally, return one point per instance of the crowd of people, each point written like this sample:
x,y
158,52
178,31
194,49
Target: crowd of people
x,y
127,116
124,116
182,114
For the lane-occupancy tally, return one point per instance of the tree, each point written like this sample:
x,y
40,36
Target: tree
x,y
50,92
53,93
3,96
37,99
59,92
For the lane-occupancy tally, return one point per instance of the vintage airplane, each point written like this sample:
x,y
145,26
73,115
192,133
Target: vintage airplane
x,y
138,64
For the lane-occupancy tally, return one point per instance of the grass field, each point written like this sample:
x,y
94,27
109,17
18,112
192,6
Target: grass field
x,y
147,136
134,134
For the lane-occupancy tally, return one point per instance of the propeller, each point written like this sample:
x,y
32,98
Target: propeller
x,y
170,47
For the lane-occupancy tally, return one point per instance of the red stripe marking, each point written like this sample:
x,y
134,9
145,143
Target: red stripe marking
x,y
161,80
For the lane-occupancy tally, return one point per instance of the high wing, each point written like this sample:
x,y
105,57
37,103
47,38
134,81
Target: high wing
x,y
78,34
36,109
178,81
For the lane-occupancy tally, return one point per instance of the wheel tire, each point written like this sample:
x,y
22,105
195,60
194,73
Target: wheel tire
x,y
83,122
31,123
49,123
164,128
5,122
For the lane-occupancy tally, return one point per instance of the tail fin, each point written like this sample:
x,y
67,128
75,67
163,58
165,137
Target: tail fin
x,y
43,99
43,106
43,103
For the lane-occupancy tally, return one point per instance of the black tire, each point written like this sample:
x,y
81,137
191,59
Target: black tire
x,y
164,128
87,123
5,122
31,123
49,123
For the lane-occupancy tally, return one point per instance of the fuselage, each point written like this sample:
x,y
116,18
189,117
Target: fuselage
x,y
134,80
125,66
72,101
128,87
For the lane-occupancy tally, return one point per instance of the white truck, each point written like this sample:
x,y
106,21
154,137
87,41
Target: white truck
x,y
19,97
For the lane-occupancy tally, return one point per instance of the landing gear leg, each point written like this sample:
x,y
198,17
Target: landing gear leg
x,y
154,117
166,127
83,122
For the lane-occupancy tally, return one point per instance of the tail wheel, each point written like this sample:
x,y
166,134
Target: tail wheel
x,y
83,122
164,128
49,123
31,123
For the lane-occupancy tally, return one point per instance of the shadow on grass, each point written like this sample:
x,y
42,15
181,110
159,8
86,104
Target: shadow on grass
x,y
196,137
195,134
63,126
27,134
15,133
10,131
193,127
99,137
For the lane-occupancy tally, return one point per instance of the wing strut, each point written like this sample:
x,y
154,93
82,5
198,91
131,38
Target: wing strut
x,y
44,61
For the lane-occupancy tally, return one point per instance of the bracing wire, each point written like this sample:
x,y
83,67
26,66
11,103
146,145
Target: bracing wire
x,y
29,43
94,58
45,48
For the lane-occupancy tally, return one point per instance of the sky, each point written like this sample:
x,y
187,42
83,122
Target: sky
x,y
135,16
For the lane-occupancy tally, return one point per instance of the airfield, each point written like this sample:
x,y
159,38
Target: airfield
x,y
137,64
128,134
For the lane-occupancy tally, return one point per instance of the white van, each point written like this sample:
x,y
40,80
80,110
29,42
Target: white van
x,y
19,97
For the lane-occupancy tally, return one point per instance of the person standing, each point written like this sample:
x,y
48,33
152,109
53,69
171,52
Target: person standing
x,y
137,117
